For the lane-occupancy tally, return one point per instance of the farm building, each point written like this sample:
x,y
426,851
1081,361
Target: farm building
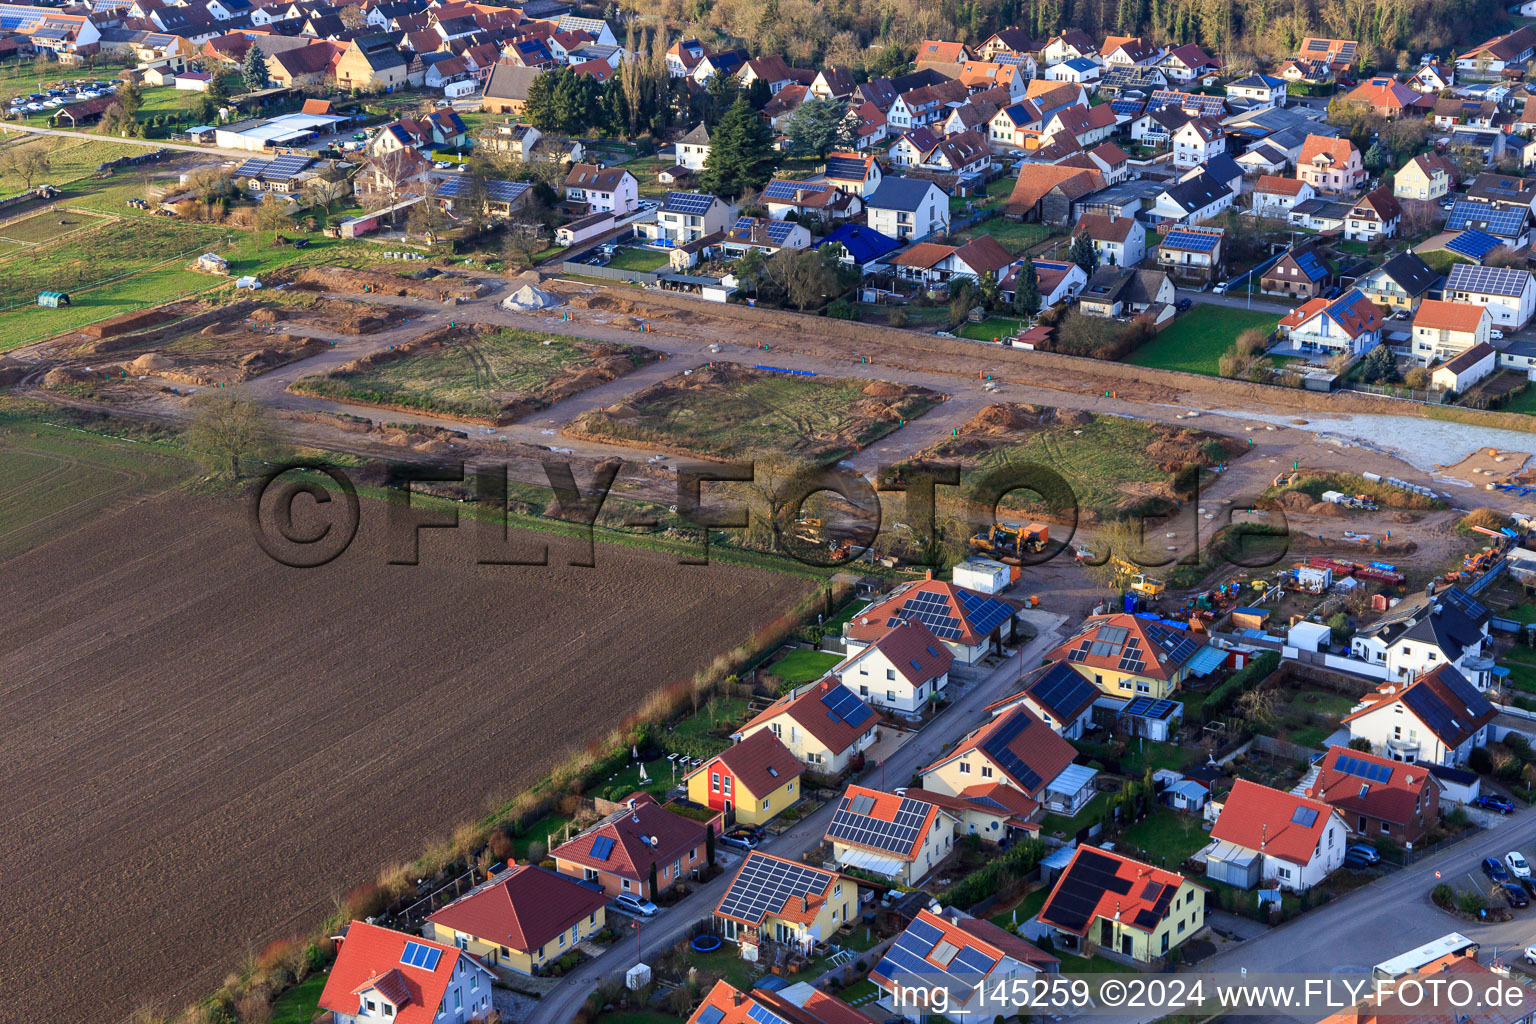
x,y
53,300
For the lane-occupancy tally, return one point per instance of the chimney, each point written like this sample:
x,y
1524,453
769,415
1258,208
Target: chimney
x,y
1263,835
805,904
928,574
736,997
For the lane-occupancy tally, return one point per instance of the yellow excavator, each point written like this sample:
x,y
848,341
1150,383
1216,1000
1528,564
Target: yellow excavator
x,y
1138,581
1007,541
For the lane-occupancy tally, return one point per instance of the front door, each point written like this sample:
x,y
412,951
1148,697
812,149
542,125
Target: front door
x,y
1106,933
1125,944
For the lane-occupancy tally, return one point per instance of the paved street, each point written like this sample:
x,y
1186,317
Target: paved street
x,y
963,715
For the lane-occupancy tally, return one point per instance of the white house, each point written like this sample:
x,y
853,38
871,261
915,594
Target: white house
x,y
901,671
1059,696
1078,71
1276,836
890,834
693,148
1508,293
907,209
685,217
1350,323
1461,372
1196,142
1192,200
1423,632
1119,241
603,188
1436,718
1258,90
1444,330
1274,196
381,974
822,723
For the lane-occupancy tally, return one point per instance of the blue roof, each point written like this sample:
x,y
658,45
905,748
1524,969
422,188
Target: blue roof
x,y
846,168
1502,223
687,202
863,243
1473,244
897,193
1194,241
1080,64
1129,108
1207,660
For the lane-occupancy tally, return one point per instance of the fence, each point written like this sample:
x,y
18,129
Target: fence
x,y
1283,750
608,273
1427,397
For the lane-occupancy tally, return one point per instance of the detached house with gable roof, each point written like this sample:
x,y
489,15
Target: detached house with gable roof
x,y
1014,751
1421,633
894,836
1508,293
382,974
1351,323
1377,796
1059,696
965,958
800,1003
907,209
751,781
1428,176
1330,165
904,669
603,189
1374,215
776,900
617,852
1264,834
1105,900
522,919
1436,718
1119,241
969,623
824,724
1444,330
1400,283
1128,656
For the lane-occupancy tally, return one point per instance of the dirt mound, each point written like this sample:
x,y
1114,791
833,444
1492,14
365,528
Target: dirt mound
x,y
883,389
269,315
128,322
214,330
1072,417
63,376
528,298
150,362
1004,416
1326,509
342,279
1487,518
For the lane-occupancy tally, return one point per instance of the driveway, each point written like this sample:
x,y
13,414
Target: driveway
x,y
967,712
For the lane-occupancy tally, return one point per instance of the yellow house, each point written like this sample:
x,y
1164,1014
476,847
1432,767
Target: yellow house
x,y
823,724
1104,901
752,781
1126,656
522,920
1427,176
776,900
370,63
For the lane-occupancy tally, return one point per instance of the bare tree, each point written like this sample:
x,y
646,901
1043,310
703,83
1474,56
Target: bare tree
x,y
25,162
521,244
272,215
227,429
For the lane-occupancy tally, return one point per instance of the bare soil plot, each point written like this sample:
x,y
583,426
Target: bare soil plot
x,y
204,747
1113,464
342,316
484,374
728,411
433,285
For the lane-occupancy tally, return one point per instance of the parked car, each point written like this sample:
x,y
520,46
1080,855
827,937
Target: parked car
x,y
635,904
741,839
1494,869
1530,954
1515,895
1183,304
1494,802
1518,866
1361,852
1529,885
1496,334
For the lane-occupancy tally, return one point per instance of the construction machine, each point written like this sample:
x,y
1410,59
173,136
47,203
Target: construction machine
x,y
1138,581
1008,541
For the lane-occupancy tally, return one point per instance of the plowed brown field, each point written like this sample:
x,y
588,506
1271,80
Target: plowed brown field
x,y
202,747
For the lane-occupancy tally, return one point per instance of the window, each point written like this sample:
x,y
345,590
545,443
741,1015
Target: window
x,y
864,690
890,695
765,805
624,884
372,1006
727,785
714,782
458,1000
778,730
693,855
965,768
1386,829
890,673
837,890
986,771
562,940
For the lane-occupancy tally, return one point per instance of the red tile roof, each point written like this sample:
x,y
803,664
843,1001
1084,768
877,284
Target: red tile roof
x,y
1002,802
760,763
1273,184
1449,316
523,909
806,707
1153,639
941,52
883,808
925,255
1385,93
903,644
1256,817
984,253
1040,749
369,957
631,853
1336,150
735,1007
1396,799
1102,228
872,623
1144,889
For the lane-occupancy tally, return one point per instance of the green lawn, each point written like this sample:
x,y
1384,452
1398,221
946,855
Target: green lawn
x,y
1028,907
834,625
69,159
641,261
25,76
1055,824
799,667
298,1004
990,328
1168,838
1196,340
636,1017
1524,402
719,713
1015,236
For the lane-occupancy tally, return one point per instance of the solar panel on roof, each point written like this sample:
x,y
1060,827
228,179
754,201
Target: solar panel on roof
x,y
711,1015
1194,241
996,746
417,954
1465,277
689,202
1367,770
763,1015
1503,223
854,824
1310,265
765,884
602,846
1460,599
1464,691
1077,894
847,168
1061,690
252,168
782,189
1306,817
